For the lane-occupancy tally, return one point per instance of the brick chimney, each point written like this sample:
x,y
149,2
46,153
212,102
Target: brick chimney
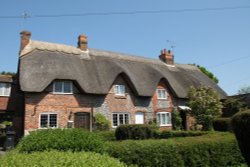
x,y
167,57
25,39
82,42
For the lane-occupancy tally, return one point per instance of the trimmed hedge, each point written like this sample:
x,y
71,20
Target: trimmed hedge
x,y
217,150
222,124
171,134
134,131
107,135
58,159
63,140
241,128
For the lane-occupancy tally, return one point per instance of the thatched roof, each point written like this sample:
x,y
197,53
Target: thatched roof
x,y
6,78
96,70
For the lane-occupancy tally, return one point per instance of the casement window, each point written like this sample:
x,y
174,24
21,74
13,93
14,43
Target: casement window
x,y
161,94
5,89
48,120
164,119
62,87
120,119
120,90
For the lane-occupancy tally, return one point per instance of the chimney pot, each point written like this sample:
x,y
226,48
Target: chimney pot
x,y
167,57
25,38
83,42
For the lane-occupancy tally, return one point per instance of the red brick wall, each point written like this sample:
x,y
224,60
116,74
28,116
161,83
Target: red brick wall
x,y
4,103
169,99
68,104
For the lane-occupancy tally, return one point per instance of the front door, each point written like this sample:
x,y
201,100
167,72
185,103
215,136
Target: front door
x,y
139,118
82,120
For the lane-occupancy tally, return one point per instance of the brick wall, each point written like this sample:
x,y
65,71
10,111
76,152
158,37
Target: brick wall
x,y
66,105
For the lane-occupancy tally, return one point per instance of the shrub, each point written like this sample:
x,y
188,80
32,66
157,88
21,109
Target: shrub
x,y
213,149
222,124
133,131
61,139
101,123
58,159
171,134
107,135
241,128
176,120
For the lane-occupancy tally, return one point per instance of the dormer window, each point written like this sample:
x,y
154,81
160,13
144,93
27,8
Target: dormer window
x,y
5,89
62,87
161,94
120,90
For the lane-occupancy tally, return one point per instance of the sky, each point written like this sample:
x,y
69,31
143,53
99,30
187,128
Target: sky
x,y
214,34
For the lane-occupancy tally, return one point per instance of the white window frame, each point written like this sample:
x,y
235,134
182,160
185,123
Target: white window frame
x,y
160,118
162,94
63,91
48,114
118,120
5,89
119,90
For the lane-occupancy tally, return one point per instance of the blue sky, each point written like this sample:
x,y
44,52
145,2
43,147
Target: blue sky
x,y
216,39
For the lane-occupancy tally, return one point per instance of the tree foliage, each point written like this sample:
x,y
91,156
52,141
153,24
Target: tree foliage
x,y
205,104
232,106
244,90
208,73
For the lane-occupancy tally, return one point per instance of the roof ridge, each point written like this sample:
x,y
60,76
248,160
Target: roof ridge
x,y
41,45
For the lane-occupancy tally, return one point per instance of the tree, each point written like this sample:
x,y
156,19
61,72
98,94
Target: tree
x,y
208,73
232,106
244,90
205,104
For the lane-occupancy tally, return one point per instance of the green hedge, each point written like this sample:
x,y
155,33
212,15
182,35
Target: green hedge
x,y
107,135
241,128
63,140
134,131
171,134
59,159
222,124
217,150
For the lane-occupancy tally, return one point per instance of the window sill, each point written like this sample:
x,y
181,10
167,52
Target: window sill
x,y
120,96
4,95
54,93
165,125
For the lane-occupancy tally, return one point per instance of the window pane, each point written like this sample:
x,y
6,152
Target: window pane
x,y
67,87
58,87
52,120
43,121
7,90
119,90
126,119
168,118
1,89
163,116
115,123
121,119
158,119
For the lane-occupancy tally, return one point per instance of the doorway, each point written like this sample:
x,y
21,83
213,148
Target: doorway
x,y
139,118
82,120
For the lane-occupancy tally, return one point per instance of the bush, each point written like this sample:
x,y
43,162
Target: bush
x,y
61,139
177,120
2,140
101,123
171,134
222,124
58,159
214,149
107,135
241,128
133,131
